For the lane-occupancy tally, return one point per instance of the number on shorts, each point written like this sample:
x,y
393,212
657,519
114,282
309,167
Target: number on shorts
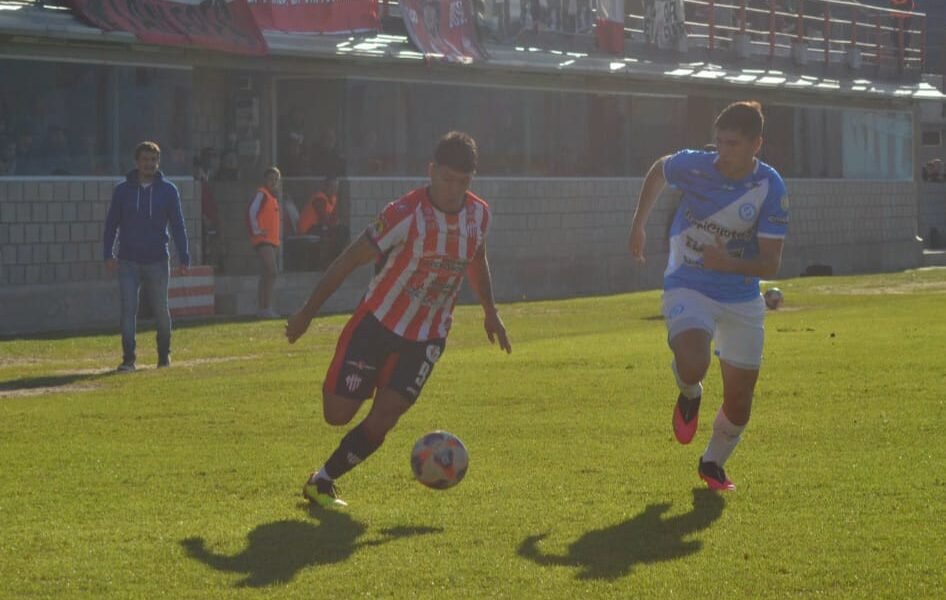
x,y
424,372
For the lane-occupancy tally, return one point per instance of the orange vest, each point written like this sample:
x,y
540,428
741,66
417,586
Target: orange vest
x,y
310,214
267,219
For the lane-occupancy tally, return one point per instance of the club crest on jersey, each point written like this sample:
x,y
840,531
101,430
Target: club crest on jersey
x,y
433,353
747,212
784,202
378,227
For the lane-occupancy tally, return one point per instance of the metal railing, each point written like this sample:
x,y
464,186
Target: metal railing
x,y
833,29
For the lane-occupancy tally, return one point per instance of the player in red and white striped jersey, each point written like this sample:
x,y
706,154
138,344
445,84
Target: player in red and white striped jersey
x,y
424,243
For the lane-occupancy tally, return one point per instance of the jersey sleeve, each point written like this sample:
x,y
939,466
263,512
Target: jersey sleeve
x,y
773,218
675,164
392,225
254,209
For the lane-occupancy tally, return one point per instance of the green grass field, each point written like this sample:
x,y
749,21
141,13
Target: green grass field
x,y
185,483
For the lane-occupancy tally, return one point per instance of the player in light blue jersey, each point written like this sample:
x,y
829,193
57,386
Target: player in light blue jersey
x,y
728,231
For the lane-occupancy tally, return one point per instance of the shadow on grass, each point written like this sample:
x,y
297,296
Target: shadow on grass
x,y
612,552
276,552
49,381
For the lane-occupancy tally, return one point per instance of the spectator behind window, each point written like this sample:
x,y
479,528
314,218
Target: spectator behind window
x,y
7,156
56,156
229,168
934,171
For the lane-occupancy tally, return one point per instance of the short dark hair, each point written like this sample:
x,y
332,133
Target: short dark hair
x,y
147,147
272,170
744,117
457,150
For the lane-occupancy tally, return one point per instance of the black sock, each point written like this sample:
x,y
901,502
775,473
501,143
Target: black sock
x,y
354,448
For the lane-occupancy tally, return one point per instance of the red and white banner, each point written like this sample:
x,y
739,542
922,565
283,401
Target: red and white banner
x,y
443,29
192,294
217,25
317,16
609,26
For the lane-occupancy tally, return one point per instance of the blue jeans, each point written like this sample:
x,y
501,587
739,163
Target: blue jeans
x,y
153,277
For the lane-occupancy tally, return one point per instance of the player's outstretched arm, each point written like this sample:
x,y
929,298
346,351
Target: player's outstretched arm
x,y
765,265
653,184
482,284
358,253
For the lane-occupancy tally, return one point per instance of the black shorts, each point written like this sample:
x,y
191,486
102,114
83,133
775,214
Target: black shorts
x,y
369,356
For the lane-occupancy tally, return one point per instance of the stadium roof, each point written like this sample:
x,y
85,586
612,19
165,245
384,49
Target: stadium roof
x,y
28,20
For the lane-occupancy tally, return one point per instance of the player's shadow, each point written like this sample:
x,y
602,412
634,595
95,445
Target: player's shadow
x,y
612,552
276,552
48,381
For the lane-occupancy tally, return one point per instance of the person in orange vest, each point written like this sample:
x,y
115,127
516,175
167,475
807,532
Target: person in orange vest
x,y
320,217
263,221
321,210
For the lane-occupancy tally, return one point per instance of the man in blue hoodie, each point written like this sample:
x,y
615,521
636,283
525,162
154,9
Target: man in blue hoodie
x,y
143,206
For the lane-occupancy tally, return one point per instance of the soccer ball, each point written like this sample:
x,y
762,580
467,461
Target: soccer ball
x,y
773,298
439,460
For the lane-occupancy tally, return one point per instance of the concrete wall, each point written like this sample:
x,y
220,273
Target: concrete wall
x,y
551,238
853,226
52,276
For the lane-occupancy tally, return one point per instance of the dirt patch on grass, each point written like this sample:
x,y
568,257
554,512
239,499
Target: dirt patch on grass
x,y
175,363
66,380
876,289
43,390
21,362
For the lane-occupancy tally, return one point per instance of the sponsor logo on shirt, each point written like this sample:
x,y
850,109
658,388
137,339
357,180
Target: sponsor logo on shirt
x,y
716,228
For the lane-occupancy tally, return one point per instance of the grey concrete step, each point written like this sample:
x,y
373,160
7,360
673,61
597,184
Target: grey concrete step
x,y
934,258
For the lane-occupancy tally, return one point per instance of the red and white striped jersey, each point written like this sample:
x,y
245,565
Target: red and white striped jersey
x,y
429,250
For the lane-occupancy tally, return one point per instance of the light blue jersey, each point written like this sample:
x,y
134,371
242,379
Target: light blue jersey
x,y
712,206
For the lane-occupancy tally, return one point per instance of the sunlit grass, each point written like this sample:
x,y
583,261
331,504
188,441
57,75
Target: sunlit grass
x,y
184,483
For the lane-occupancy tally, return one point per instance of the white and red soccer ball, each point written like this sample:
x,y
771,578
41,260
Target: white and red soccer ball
x,y
439,460
774,298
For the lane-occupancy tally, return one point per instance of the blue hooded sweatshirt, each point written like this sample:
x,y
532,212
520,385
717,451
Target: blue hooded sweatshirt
x,y
141,216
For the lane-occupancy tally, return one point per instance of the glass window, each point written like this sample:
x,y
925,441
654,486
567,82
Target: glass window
x,y
877,145
393,127
81,119
154,104
311,140
831,143
389,128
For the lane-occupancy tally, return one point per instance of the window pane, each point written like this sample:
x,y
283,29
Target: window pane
x,y
877,145
309,138
154,104
54,121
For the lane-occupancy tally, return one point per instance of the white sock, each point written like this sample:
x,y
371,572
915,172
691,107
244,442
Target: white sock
x,y
690,391
723,441
322,475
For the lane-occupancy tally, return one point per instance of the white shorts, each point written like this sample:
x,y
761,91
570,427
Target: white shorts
x,y
736,328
